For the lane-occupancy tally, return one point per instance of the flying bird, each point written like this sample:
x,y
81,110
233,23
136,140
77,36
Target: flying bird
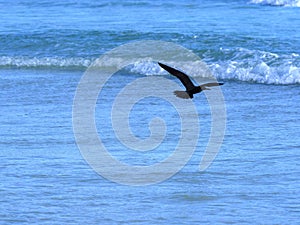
x,y
191,89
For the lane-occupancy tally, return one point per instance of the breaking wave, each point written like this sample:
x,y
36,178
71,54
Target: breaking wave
x,y
237,64
289,3
241,65
257,66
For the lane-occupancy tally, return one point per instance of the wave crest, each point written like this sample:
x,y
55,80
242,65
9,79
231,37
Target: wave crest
x,y
238,64
43,62
289,3
257,66
226,64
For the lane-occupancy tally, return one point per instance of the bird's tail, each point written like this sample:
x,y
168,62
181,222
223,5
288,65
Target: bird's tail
x,y
181,94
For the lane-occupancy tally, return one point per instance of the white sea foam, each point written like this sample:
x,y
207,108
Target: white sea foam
x,y
289,3
226,64
241,65
49,62
257,66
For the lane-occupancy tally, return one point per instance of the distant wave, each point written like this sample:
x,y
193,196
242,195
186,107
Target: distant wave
x,y
226,64
43,62
289,3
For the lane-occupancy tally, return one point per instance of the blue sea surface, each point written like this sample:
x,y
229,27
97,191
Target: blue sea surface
x,y
251,46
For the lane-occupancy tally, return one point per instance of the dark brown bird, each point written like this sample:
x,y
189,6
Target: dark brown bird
x,y
191,89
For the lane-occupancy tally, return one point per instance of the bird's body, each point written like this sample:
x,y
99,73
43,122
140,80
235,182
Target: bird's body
x,y
191,89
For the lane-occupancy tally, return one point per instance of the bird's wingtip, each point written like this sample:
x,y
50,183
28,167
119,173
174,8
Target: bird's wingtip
x,y
159,63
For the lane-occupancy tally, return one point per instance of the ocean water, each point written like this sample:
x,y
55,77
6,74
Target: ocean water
x,y
251,46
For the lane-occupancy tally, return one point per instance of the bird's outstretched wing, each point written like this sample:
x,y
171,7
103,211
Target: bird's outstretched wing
x,y
211,84
185,80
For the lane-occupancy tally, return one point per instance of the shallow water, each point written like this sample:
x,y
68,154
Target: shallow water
x,y
44,178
